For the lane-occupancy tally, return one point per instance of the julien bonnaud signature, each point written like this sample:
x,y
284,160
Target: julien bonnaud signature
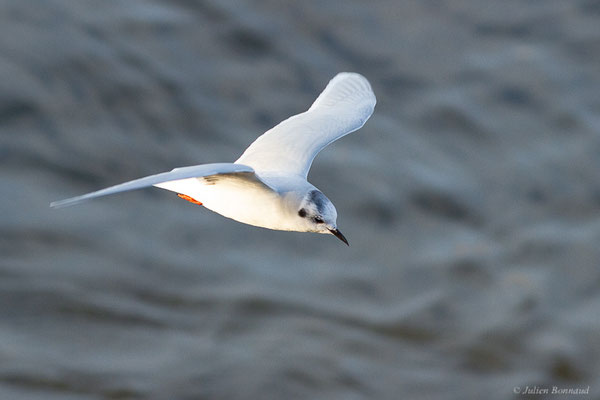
x,y
550,390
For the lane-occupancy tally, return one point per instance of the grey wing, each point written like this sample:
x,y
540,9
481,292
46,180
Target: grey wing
x,y
290,147
195,171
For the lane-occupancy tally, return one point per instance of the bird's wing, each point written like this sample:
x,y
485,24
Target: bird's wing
x,y
290,147
196,171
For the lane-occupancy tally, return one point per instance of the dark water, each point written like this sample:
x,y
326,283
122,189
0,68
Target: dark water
x,y
471,200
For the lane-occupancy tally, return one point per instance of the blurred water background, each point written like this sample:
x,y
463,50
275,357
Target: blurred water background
x,y
471,201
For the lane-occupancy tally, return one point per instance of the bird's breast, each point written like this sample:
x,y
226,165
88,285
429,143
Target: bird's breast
x,y
251,206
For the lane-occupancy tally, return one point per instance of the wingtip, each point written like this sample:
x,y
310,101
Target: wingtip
x,y
347,87
355,75
57,204
349,73
64,203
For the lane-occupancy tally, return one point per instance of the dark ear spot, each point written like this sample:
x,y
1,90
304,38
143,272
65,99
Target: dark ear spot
x,y
302,212
318,199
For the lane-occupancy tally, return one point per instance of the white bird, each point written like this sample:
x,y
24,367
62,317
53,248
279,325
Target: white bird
x,y
267,186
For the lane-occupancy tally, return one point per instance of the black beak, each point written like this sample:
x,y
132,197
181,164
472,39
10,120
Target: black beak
x,y
339,235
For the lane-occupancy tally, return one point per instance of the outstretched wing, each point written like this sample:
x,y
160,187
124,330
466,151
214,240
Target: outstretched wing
x,y
290,147
196,171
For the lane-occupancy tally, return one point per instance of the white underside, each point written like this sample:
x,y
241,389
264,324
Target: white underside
x,y
239,200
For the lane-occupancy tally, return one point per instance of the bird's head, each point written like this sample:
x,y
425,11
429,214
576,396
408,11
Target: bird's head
x,y
319,214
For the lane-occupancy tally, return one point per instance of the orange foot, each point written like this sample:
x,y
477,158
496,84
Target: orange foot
x,y
188,198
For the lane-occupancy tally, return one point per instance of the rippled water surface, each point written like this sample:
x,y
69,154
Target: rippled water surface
x,y
471,201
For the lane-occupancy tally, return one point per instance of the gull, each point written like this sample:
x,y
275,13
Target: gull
x,y
267,186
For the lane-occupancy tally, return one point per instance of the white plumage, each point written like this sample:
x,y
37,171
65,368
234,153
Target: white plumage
x,y
267,185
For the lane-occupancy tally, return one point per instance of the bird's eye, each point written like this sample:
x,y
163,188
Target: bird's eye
x,y
318,220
